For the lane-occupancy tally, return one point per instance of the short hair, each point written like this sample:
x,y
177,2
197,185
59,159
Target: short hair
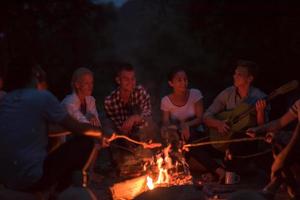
x,y
251,66
174,71
124,67
19,73
78,73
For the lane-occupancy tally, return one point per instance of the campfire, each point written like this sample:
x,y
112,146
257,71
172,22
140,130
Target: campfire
x,y
166,168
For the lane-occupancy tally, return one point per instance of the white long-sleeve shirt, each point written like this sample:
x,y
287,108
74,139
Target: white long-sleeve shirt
x,y
72,104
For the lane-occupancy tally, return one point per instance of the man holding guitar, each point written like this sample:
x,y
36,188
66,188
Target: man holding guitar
x,y
232,96
235,102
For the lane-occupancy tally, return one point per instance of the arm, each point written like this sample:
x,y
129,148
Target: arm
x,y
286,152
92,114
80,128
165,118
54,112
145,104
260,111
274,125
73,108
110,112
216,107
138,118
199,114
185,126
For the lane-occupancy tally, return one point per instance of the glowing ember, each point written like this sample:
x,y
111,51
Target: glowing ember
x,y
150,183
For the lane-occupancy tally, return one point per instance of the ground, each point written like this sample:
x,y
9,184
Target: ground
x,y
253,179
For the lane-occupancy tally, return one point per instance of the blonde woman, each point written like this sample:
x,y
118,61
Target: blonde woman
x,y
81,104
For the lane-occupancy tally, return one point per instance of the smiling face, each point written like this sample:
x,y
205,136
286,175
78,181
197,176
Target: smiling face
x,y
241,77
126,80
179,82
84,85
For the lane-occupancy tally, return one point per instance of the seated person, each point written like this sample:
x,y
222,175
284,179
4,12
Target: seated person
x,y
129,106
184,107
80,104
231,98
289,155
24,115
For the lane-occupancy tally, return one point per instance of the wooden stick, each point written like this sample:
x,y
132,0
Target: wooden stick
x,y
222,142
144,144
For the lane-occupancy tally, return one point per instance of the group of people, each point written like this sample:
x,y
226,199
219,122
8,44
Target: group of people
x,y
28,109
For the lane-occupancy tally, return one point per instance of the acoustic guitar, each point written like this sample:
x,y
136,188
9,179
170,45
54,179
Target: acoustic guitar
x,y
243,117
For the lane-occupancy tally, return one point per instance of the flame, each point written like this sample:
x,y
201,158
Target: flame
x,y
150,183
164,166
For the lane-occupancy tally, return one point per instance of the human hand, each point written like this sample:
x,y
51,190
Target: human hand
x,y
128,124
185,131
261,105
269,137
251,132
93,120
105,142
223,127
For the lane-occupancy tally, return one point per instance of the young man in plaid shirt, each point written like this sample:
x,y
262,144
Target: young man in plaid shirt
x,y
129,106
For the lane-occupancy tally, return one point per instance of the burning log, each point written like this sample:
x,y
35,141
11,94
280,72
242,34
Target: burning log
x,y
129,189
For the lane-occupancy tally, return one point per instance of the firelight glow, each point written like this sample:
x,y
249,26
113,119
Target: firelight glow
x,y
150,183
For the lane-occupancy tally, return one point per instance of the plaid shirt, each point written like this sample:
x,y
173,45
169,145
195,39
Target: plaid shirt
x,y
118,111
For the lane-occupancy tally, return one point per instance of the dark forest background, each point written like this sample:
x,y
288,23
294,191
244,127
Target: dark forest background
x,y
204,36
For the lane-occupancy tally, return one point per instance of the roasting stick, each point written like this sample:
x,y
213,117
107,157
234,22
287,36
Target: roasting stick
x,y
186,146
144,144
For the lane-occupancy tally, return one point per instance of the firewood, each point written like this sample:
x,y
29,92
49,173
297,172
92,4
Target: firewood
x,y
129,189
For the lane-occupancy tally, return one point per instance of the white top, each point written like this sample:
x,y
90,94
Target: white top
x,y
72,104
184,112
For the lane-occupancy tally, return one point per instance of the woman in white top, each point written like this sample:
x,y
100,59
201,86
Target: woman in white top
x,y
183,106
80,104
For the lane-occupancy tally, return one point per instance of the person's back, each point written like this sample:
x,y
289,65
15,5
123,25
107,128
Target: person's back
x,y
25,114
23,136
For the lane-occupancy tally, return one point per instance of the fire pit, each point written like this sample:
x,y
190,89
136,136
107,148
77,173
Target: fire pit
x,y
166,169
187,192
